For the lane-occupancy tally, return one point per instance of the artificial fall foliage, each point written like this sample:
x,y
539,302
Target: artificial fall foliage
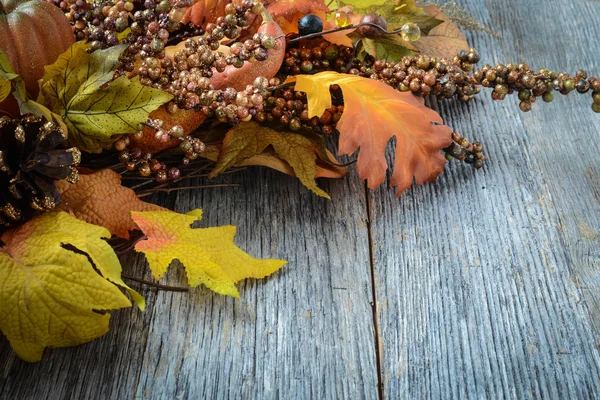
x,y
143,96
58,280
73,88
100,199
249,140
373,114
209,255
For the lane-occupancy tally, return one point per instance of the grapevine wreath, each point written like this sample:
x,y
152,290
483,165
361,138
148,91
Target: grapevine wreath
x,y
103,103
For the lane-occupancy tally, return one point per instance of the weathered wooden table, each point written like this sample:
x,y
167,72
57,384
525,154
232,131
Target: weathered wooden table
x,y
482,285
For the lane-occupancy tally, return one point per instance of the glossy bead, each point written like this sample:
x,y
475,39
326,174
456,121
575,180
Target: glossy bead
x,y
410,32
341,19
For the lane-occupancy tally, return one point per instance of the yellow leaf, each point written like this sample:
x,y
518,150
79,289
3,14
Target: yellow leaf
x,y
270,159
79,87
250,139
209,255
4,89
100,199
57,280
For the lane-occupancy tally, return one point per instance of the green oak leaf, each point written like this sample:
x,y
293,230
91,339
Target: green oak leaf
x,y
80,88
390,47
7,74
4,88
9,79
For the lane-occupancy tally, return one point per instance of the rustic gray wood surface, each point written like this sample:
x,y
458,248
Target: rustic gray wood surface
x,y
482,285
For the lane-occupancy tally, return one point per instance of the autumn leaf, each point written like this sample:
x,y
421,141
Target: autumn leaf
x,y
10,80
390,47
444,40
209,255
74,88
250,139
341,37
7,74
373,114
270,159
57,282
100,199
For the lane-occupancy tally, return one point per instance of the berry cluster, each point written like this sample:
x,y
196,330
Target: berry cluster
x,y
513,78
288,109
463,150
79,13
326,56
424,75
444,78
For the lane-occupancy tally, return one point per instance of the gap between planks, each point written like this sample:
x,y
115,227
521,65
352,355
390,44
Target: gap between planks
x,y
376,338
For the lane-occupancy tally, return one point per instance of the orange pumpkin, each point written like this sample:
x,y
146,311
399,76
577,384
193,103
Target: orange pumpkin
x,y
33,33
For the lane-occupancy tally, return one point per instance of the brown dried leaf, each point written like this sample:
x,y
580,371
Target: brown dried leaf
x,y
445,40
100,199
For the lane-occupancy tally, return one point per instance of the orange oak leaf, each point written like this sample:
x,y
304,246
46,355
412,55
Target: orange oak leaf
x,y
445,40
100,199
373,114
204,11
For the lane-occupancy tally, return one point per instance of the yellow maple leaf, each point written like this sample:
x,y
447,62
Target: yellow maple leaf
x,y
100,199
209,255
57,280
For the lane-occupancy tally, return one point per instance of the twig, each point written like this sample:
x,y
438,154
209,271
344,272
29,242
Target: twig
x,y
130,246
156,285
168,190
319,34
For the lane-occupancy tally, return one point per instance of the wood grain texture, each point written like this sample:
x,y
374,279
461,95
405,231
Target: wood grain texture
x,y
487,282
306,332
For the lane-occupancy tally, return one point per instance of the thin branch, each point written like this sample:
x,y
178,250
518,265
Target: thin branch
x,y
156,285
319,34
168,190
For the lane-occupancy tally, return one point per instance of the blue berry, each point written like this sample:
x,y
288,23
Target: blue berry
x,y
309,24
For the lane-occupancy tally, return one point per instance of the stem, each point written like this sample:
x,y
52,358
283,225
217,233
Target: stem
x,y
168,190
130,246
318,34
156,285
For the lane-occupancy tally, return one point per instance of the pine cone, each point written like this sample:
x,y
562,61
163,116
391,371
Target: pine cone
x,y
32,157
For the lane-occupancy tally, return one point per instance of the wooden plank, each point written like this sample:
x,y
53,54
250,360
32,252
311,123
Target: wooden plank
x,y
305,332
479,276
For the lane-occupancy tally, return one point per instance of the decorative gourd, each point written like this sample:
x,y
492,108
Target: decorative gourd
x,y
33,33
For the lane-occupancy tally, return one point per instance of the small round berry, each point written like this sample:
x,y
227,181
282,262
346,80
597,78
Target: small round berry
x,y
569,85
174,174
372,32
548,97
525,106
429,79
144,169
582,86
309,24
161,176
